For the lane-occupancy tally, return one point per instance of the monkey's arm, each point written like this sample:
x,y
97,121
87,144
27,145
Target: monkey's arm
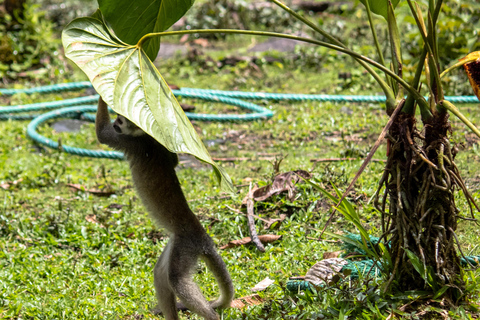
x,y
105,132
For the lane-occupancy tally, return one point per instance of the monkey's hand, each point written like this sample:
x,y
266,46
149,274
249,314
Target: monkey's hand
x,y
103,127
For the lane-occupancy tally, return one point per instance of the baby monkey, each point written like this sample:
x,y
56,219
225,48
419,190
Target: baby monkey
x,y
154,177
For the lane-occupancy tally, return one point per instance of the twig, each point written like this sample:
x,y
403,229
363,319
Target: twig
x,y
343,159
251,222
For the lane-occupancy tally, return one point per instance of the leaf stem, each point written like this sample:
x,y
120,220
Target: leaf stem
x,y
374,33
451,107
384,85
460,63
418,97
427,41
410,102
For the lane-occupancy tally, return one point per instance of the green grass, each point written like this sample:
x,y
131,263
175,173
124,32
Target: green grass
x,y
55,263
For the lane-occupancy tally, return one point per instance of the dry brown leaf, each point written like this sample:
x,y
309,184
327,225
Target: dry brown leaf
x,y
96,192
268,238
264,238
329,255
201,42
184,38
283,182
262,285
91,218
242,302
173,86
8,184
324,270
187,107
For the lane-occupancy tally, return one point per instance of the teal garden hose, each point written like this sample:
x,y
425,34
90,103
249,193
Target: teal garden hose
x,y
77,107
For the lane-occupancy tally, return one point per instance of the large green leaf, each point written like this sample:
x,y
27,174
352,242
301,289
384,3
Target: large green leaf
x,y
131,85
132,19
380,7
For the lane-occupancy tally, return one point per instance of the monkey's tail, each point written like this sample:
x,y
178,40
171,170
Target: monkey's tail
x,y
218,268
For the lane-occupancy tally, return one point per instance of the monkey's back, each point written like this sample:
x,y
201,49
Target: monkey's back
x,y
155,179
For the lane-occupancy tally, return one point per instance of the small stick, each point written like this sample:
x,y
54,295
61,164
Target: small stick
x,y
251,222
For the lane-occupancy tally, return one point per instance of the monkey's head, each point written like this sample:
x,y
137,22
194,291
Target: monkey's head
x,y
124,126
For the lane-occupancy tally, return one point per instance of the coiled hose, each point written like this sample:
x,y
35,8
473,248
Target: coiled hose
x,y
80,108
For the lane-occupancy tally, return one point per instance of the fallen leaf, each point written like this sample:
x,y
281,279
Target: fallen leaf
x,y
91,218
262,285
173,86
329,255
201,42
184,38
187,107
8,184
242,302
324,270
283,182
96,192
265,238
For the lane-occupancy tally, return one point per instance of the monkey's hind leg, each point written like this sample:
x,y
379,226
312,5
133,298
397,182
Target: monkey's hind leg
x,y
183,260
165,295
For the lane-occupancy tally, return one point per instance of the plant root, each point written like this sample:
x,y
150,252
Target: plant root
x,y
415,197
